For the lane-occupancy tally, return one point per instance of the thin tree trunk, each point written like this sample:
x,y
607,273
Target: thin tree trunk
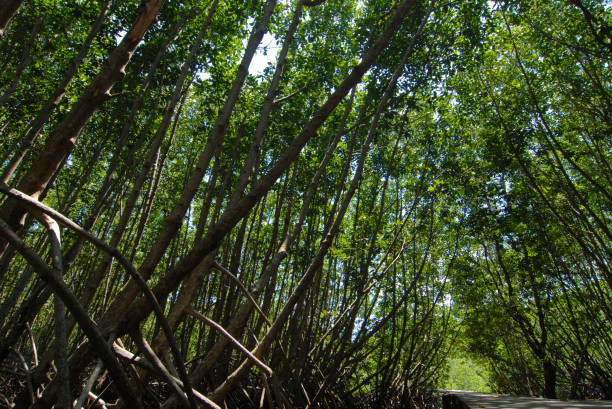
x,y
43,115
89,290
234,214
154,181
23,61
239,319
64,137
252,160
7,11
89,327
141,308
173,222
220,392
305,282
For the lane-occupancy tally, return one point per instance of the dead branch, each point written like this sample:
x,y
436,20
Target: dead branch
x,y
146,349
143,363
219,328
65,221
287,97
244,290
28,374
90,381
87,325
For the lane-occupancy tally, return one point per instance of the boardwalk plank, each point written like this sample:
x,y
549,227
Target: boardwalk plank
x,y
474,400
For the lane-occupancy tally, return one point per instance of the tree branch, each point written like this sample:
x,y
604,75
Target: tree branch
x,y
90,329
233,340
63,220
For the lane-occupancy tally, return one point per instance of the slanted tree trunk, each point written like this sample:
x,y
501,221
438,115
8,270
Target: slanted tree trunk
x,y
150,161
24,60
7,11
234,214
45,112
248,170
173,222
65,135
135,311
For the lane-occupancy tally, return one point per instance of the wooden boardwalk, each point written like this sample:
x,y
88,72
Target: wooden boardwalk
x,y
474,400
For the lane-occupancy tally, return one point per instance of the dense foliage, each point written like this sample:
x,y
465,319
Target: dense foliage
x,y
353,191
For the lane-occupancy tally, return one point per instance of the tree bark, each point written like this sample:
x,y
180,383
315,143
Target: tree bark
x,y
173,222
151,160
550,379
87,325
7,11
64,137
43,115
234,214
24,60
140,309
